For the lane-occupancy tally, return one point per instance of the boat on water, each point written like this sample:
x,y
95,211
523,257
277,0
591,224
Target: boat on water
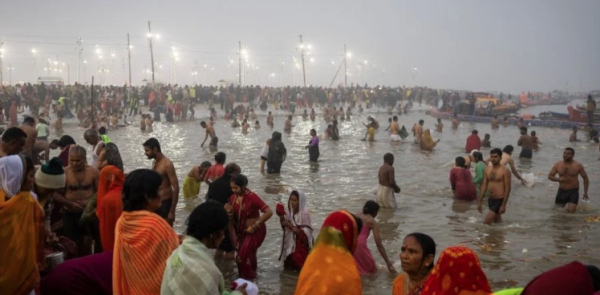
x,y
577,115
540,102
553,116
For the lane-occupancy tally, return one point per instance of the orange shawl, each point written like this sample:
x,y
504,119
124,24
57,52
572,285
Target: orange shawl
x,y
457,272
330,267
22,240
110,205
143,243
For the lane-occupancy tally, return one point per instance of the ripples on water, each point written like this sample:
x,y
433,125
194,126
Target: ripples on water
x,y
345,177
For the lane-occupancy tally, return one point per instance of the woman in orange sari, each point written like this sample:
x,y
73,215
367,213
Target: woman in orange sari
x,y
417,255
143,240
246,225
330,267
109,205
457,272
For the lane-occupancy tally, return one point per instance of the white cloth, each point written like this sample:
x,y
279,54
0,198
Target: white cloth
x,y
302,218
395,137
386,197
265,151
11,175
95,153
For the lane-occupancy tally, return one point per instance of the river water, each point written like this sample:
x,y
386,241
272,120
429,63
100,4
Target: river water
x,y
534,236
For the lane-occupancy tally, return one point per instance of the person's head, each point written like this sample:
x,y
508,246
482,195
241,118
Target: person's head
x,y
102,130
574,129
205,165
256,122
495,116
329,126
290,118
207,224
91,136
478,156
439,120
395,118
533,133
13,140
371,208
523,130
508,149
111,155
65,141
50,177
245,122
595,274
486,136
220,158
589,97
460,162
495,156
140,191
421,122
457,271
313,132
239,183
344,225
152,148
269,113
417,254
29,121
294,202
232,169
203,124
568,154
77,158
276,136
54,144
388,158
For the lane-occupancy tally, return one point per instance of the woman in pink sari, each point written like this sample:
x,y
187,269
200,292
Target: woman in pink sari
x,y
246,225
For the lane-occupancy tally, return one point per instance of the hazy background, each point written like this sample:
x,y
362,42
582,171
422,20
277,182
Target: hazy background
x,y
533,45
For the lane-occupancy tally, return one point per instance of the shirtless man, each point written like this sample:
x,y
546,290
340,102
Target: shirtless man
x,y
387,183
496,182
573,136
210,131
568,189
13,141
439,126
245,126
395,130
169,188
418,131
148,122
28,127
495,123
80,186
455,122
507,159
92,138
41,151
58,126
288,124
270,120
526,144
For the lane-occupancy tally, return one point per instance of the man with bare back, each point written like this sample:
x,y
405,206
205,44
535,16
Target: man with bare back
x,y
210,131
395,130
496,183
169,188
387,183
28,127
568,171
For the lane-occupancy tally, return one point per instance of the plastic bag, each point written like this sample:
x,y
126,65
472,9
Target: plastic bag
x,y
251,288
584,206
529,179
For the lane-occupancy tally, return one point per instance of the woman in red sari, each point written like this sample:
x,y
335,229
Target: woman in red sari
x,y
297,231
246,225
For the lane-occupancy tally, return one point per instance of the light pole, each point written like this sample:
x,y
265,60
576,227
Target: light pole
x,y
302,56
346,56
150,39
84,75
33,52
79,51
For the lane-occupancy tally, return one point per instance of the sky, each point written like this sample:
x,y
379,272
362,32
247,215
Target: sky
x,y
479,45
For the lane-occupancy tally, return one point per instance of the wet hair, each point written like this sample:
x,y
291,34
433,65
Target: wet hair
x,y
524,129
439,119
139,187
113,156
202,123
55,142
421,122
595,274
574,128
533,133
427,246
371,207
478,156
388,157
474,132
496,151
152,143
29,120
205,164
206,219
66,140
329,126
28,163
220,157
487,135
460,162
508,149
102,130
257,122
77,150
313,130
13,133
359,223
395,118
232,167
571,150
240,180
90,132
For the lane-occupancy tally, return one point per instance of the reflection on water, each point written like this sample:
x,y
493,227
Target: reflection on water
x,y
533,237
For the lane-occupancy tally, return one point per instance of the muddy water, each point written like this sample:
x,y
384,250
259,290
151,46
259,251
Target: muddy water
x,y
534,236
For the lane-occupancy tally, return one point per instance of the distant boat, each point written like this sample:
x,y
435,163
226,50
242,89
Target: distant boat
x,y
576,115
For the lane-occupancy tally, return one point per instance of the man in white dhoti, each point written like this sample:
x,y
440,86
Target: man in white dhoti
x,y
387,183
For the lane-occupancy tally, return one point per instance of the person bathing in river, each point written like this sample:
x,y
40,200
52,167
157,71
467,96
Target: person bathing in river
x,y
473,142
535,141
362,255
297,231
263,155
573,137
277,154
507,159
395,130
427,143
210,131
418,132
497,186
439,126
455,122
387,183
257,125
288,124
245,126
193,181
313,146
486,141
417,256
494,122
169,187
526,144
215,171
568,171
461,181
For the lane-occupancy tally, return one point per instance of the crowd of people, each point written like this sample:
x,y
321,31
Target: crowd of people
x,y
113,228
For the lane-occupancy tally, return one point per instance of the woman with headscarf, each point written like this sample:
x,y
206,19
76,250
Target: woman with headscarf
x,y
143,240
246,225
571,279
297,231
65,143
109,205
457,272
22,223
461,181
427,143
277,154
330,267
417,256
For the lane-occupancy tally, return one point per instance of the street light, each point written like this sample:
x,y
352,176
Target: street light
x,y
33,52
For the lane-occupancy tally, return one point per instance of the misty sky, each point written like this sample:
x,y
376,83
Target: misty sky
x,y
460,44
